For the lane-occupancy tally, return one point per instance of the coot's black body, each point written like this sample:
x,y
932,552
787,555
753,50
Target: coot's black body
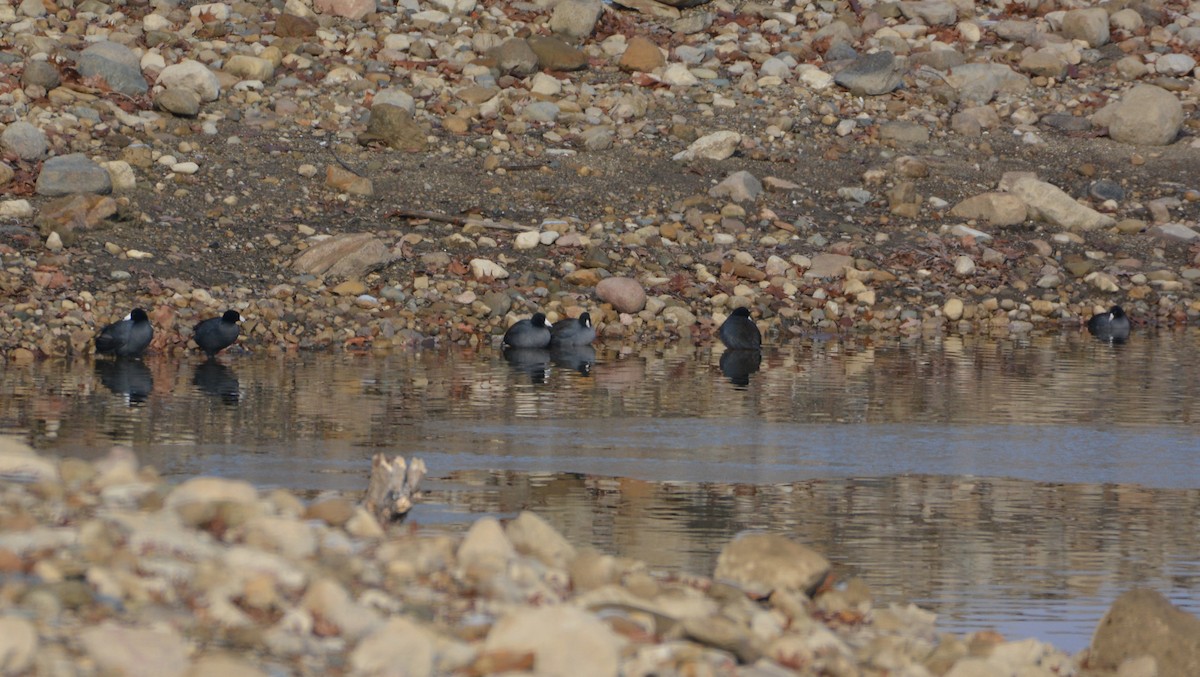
x,y
530,333
738,331
217,333
576,331
126,338
1110,326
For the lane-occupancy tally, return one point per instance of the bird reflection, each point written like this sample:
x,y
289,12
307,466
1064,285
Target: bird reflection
x,y
577,358
217,380
126,376
737,365
532,361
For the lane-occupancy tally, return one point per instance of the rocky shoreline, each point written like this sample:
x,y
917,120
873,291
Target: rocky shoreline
x,y
370,176
107,569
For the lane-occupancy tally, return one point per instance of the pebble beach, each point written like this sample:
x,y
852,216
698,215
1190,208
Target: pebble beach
x,y
374,176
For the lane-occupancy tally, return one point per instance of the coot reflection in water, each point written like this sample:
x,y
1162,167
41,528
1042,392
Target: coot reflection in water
x,y
737,365
126,376
576,358
217,380
532,361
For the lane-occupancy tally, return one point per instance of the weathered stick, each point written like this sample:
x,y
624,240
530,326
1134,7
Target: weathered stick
x,y
459,220
393,487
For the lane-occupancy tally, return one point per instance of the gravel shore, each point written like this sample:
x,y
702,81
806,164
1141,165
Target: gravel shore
x,y
107,570
369,176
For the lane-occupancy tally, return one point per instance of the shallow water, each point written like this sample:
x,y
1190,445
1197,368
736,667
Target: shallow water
x,y
1016,485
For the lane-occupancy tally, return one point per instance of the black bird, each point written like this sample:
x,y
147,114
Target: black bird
x,y
217,333
1110,326
131,378
573,331
531,333
738,331
126,338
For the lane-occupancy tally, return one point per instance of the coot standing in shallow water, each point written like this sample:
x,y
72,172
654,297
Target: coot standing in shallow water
x,y
126,338
1110,326
531,333
738,331
573,331
217,333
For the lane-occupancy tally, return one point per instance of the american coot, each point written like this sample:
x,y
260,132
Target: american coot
x,y
573,331
531,333
217,333
738,331
1110,326
126,338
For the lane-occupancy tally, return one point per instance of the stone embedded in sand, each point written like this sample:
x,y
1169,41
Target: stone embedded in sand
x,y
871,75
554,54
766,562
624,293
25,140
575,19
514,56
829,265
68,216
1145,115
178,101
346,255
249,67
74,173
741,186
641,55
1089,25
997,209
395,128
350,9
483,268
116,64
194,76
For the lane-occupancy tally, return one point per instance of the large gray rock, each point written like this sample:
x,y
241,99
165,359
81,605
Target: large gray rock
x,y
575,19
74,173
1089,25
978,83
765,562
345,255
564,640
1146,115
871,75
40,73
1142,622
177,101
624,293
24,140
1049,203
515,57
116,64
740,186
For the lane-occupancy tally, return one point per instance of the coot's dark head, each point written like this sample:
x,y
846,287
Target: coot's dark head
x,y
139,315
740,312
586,319
539,320
1117,312
231,316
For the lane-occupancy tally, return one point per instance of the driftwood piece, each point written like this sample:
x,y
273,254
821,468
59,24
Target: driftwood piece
x,y
393,487
459,220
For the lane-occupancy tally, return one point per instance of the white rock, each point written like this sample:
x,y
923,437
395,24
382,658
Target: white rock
x,y
157,22
54,243
678,74
815,78
953,309
18,645
214,11
122,175
19,461
185,167
1175,64
545,84
16,209
716,146
564,641
528,239
191,76
964,265
481,268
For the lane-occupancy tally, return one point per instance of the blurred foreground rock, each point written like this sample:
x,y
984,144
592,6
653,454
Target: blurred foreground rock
x,y
108,569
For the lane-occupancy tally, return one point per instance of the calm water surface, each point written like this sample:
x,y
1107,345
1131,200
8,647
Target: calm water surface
x,y
1015,485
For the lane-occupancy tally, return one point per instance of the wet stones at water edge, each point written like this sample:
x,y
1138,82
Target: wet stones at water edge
x,y
126,338
533,332
217,333
739,332
1110,326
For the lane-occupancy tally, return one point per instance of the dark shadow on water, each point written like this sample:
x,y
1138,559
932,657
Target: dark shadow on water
x,y
217,380
738,365
532,361
575,358
126,376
